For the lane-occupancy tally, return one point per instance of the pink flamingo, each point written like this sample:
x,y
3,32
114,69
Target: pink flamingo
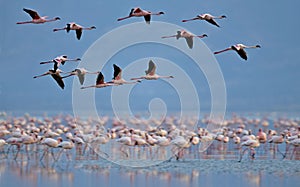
x,y
187,35
99,83
36,19
239,48
207,17
76,27
138,12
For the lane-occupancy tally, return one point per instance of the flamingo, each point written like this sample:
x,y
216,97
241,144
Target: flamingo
x,y
239,48
277,140
55,75
207,17
60,60
117,79
99,83
50,143
65,145
187,35
138,12
80,72
150,73
76,27
251,144
36,19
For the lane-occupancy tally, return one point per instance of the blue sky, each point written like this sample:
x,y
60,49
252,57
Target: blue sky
x,y
268,81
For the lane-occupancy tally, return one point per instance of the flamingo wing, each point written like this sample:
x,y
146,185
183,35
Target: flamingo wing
x,y
212,21
117,72
151,68
33,14
242,53
80,76
100,79
68,28
147,18
78,33
59,80
189,41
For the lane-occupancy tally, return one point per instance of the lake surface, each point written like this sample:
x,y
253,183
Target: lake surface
x,y
187,172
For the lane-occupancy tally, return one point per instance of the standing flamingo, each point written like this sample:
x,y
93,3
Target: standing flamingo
x,y
55,75
117,79
80,72
187,35
138,12
207,17
36,19
150,73
60,60
239,48
251,144
76,27
99,83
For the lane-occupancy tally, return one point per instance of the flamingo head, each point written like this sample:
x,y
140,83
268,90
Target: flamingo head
x,y
93,27
161,13
258,46
57,18
204,35
223,16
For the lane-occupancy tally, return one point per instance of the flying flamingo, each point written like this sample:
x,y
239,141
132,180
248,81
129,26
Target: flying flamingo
x,y
99,83
117,79
80,72
55,75
60,60
240,49
150,73
207,17
76,27
36,19
138,12
187,35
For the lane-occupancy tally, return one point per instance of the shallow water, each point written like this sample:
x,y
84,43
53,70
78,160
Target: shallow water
x,y
100,172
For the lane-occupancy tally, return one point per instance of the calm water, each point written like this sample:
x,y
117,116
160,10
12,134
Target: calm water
x,y
218,171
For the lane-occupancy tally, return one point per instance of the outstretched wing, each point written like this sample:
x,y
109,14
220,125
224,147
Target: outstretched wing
x,y
78,33
151,68
241,52
33,14
80,76
189,41
212,21
147,18
59,80
100,79
117,72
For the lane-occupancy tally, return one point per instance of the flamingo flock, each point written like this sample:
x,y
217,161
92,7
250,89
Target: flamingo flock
x,y
118,80
50,133
48,137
